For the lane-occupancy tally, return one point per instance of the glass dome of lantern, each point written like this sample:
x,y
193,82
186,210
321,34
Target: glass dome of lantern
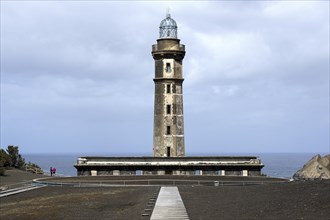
x,y
168,27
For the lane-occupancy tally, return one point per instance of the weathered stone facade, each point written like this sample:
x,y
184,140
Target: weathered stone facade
x,y
168,139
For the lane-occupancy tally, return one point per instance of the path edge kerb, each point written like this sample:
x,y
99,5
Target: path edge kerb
x,y
82,182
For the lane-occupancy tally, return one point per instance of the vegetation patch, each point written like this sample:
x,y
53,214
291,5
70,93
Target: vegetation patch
x,y
11,158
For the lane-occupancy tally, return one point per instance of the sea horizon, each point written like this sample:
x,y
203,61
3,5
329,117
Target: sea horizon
x,y
276,164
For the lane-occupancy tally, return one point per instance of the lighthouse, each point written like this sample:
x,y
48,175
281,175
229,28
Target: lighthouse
x,y
168,135
168,53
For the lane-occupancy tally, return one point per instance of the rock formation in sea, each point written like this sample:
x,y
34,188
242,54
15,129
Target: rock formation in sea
x,y
316,168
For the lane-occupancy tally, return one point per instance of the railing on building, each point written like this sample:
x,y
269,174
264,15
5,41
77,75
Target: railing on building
x,y
182,47
155,182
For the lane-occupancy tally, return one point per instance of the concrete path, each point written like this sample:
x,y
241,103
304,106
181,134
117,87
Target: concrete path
x,y
10,192
169,205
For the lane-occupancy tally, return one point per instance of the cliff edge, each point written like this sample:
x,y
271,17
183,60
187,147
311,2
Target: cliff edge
x,y
316,168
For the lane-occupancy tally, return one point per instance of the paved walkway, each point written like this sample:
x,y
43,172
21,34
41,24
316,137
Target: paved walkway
x,y
169,205
14,191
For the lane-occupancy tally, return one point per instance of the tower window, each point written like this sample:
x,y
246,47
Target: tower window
x,y
168,109
168,67
168,130
168,151
168,88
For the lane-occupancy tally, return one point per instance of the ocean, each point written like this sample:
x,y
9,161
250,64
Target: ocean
x,y
276,164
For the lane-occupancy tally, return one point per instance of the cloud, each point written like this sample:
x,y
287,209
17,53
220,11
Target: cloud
x,y
76,75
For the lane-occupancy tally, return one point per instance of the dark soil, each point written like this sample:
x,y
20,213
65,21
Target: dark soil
x,y
295,200
271,200
14,176
78,203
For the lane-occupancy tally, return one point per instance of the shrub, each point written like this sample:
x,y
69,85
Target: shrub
x,y
34,168
2,171
5,159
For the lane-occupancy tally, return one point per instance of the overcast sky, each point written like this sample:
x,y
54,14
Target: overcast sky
x,y
77,76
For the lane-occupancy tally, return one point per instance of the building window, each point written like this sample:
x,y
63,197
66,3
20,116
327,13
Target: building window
x,y
168,151
168,88
168,130
168,67
168,109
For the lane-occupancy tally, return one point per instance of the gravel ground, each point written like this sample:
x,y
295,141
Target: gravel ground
x,y
78,203
295,200
290,200
14,176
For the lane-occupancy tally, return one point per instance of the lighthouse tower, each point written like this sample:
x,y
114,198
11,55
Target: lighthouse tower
x,y
168,53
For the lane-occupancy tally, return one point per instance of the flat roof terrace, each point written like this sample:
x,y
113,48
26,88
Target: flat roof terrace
x,y
184,161
225,165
